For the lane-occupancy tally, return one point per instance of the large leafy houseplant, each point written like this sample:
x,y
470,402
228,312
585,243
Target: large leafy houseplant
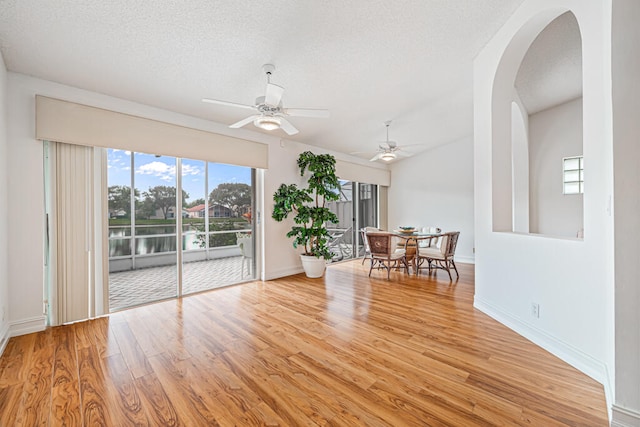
x,y
308,205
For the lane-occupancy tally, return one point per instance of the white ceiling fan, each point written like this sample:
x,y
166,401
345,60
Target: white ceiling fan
x,y
389,150
271,114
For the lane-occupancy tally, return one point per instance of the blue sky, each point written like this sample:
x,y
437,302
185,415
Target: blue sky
x,y
151,171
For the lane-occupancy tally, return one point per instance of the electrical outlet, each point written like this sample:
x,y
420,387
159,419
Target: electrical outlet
x,y
535,310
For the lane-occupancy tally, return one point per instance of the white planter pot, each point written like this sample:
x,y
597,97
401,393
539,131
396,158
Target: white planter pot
x,y
313,267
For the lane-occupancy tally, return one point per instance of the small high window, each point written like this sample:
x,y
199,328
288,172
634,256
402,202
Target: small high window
x,y
573,175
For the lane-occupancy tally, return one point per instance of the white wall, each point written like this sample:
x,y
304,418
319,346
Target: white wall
x,y
283,168
520,165
435,188
26,189
571,280
553,134
4,211
626,129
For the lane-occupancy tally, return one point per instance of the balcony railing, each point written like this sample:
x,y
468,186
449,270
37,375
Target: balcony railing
x,y
153,245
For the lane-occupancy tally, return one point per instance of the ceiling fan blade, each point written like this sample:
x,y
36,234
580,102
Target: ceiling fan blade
x,y
273,95
401,153
228,104
287,127
307,112
376,157
244,121
411,145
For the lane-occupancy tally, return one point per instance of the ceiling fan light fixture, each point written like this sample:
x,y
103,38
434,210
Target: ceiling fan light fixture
x,y
387,157
267,122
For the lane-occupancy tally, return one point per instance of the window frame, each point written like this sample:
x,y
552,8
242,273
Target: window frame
x,y
579,170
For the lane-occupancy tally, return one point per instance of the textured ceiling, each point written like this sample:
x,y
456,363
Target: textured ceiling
x,y
367,61
551,71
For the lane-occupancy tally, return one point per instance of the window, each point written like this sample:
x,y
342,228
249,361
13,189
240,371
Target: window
x,y
573,175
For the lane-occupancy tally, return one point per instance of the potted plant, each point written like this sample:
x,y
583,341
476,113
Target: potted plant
x,y
308,206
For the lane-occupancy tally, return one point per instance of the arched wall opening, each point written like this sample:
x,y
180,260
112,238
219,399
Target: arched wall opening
x,y
537,122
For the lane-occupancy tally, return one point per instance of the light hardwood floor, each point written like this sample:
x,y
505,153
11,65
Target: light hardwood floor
x,y
344,350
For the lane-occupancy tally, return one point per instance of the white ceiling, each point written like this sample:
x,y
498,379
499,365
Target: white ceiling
x,y
367,61
551,71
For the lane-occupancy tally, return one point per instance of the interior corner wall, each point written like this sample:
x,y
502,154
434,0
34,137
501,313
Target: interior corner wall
x,y
283,259
4,211
571,280
435,188
553,134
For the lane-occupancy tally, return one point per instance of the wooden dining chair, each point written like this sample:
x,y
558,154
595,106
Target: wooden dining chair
x,y
384,253
440,258
363,233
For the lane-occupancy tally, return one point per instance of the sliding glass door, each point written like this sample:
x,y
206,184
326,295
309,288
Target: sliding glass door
x,y
176,226
356,208
217,247
367,211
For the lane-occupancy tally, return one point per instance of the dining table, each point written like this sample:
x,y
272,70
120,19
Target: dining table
x,y
412,239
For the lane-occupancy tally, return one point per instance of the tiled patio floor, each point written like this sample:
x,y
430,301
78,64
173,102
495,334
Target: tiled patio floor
x,y
135,287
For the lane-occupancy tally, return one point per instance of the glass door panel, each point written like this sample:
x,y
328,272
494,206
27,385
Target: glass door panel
x,y
142,240
230,233
341,240
367,210
195,268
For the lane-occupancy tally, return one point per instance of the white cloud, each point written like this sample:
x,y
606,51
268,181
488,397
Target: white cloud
x,y
190,170
156,168
162,170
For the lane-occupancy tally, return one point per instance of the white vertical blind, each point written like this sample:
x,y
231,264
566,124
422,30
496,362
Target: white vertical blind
x,y
72,200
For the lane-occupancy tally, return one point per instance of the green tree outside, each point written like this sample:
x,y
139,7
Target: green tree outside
x,y
160,197
119,199
234,196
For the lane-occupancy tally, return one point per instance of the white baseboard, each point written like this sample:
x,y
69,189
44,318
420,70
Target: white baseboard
x,y
623,417
276,274
568,353
4,337
465,259
21,327
27,326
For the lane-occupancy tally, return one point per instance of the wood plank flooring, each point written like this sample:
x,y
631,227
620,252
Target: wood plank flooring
x,y
345,350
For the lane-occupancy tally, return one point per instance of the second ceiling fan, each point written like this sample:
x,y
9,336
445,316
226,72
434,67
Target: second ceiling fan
x,y
270,112
389,150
